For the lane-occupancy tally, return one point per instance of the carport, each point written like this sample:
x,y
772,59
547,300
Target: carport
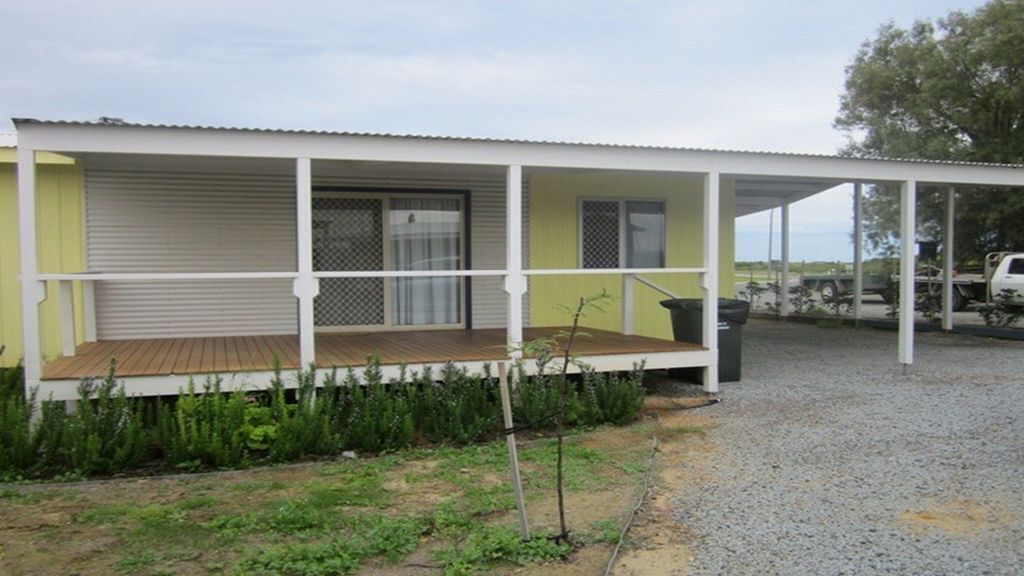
x,y
756,195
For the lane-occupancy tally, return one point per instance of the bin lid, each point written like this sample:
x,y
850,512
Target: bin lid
x,y
735,311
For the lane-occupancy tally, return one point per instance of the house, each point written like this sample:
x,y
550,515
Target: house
x,y
60,206
220,249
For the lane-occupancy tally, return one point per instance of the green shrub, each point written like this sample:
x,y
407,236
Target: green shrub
x,y
377,419
106,432
16,450
1005,310
109,432
611,398
460,409
306,426
205,429
535,400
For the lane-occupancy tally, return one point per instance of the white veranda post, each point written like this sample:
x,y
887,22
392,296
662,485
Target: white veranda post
x,y
515,280
32,290
709,280
908,202
306,285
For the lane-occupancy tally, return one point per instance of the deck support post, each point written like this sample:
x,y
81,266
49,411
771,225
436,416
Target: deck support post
x,y
628,285
306,286
33,292
515,280
947,260
67,318
858,250
908,217
709,279
784,277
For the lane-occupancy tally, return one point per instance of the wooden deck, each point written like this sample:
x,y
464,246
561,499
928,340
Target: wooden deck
x,y
179,356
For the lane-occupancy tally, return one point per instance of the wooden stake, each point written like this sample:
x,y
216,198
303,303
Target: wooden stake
x,y
513,454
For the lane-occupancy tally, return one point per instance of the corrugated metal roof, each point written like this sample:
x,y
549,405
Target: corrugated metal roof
x,y
117,122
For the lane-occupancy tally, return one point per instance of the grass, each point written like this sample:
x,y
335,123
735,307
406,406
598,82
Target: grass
x,y
451,507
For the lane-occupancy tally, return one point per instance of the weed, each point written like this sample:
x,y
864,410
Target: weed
x,y
197,502
490,545
106,514
315,559
606,530
17,496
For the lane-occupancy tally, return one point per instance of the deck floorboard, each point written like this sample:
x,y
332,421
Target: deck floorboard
x,y
204,355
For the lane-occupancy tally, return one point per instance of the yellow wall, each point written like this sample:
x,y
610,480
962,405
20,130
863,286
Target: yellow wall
x,y
61,242
554,243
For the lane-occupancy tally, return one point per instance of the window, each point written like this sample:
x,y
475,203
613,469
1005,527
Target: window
x,y
1016,266
622,234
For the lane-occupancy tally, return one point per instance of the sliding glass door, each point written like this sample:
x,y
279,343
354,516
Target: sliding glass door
x,y
426,234
409,232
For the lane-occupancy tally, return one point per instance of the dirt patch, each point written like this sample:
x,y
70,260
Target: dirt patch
x,y
957,517
658,544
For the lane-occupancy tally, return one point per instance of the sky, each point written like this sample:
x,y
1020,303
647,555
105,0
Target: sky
x,y
733,74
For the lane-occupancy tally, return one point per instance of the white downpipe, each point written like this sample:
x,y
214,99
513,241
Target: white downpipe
x,y
784,277
709,280
858,249
33,292
515,280
306,286
908,215
947,261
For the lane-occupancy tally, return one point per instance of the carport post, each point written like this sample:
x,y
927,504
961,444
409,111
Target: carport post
x,y
709,280
947,262
908,216
784,279
858,249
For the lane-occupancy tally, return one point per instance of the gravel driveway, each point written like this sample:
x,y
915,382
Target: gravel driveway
x,y
827,460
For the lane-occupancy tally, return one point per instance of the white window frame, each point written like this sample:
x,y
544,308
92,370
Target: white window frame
x,y
385,197
621,201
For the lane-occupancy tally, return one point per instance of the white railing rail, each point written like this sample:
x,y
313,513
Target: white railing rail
x,y
65,282
628,288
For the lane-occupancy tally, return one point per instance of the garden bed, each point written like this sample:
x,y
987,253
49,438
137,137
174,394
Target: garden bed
x,y
416,511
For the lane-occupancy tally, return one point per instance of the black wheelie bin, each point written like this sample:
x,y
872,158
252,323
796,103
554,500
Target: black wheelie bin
x,y
687,326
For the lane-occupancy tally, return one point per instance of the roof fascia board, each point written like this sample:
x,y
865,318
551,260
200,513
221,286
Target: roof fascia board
x,y
228,143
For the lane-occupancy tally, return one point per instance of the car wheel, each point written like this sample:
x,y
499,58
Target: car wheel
x,y
959,301
828,291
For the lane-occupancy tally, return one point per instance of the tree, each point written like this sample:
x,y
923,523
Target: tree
x,y
953,90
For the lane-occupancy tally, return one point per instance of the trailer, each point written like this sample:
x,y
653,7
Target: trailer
x,y
828,286
1001,270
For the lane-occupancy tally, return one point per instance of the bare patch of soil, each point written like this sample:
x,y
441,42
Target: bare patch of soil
x,y
658,544
957,517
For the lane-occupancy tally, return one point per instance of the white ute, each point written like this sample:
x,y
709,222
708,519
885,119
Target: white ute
x,y
1008,274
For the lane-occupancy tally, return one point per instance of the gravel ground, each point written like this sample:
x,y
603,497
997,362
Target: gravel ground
x,y
828,460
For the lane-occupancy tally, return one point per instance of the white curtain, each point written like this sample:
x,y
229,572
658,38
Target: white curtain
x,y
426,235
